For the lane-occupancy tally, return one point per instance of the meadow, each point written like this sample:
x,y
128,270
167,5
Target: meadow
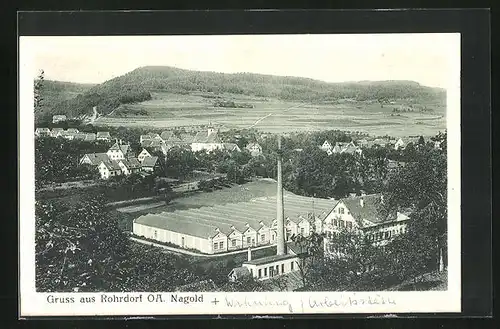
x,y
166,110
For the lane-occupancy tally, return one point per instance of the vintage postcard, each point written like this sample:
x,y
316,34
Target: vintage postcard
x,y
239,174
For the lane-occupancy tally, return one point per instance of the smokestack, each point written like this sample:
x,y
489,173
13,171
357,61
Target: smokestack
x,y
280,218
249,254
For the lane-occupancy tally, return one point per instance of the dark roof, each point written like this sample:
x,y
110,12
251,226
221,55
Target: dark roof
x,y
369,210
240,272
296,248
112,164
123,147
97,158
269,259
204,137
149,161
131,163
231,147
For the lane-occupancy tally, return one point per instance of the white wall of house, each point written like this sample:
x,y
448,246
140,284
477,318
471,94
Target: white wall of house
x,y
250,237
209,147
115,155
267,271
235,240
219,243
124,168
144,153
180,239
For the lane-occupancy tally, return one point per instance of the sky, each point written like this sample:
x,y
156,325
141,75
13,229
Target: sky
x,y
424,58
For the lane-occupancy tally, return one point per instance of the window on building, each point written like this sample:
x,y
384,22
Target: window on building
x,y
262,237
182,241
271,272
349,224
302,230
216,246
342,223
251,272
291,265
335,222
341,210
282,268
221,245
233,242
260,273
155,233
248,240
265,271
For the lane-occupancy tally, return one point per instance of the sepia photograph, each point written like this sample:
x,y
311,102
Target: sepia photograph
x,y
253,164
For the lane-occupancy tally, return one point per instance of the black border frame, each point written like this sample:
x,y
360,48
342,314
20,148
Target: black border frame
x,y
473,24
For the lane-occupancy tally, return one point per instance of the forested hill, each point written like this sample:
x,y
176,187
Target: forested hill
x,y
55,92
137,85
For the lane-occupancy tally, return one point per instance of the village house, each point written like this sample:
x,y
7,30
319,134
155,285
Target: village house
x,y
144,153
94,159
57,132
231,147
360,213
327,147
79,136
42,132
399,145
118,151
103,136
254,148
150,164
109,168
58,118
68,135
90,137
150,137
207,141
129,166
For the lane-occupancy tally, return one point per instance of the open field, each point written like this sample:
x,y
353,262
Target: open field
x,y
170,110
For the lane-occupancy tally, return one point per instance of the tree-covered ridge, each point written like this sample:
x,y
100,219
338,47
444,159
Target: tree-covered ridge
x,y
137,85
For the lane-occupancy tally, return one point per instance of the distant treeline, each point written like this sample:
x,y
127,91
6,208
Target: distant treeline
x,y
137,85
232,104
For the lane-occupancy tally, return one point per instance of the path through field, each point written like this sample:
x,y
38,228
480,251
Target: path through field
x,y
270,114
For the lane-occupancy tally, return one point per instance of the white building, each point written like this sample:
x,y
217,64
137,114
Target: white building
x,y
103,136
144,153
254,148
234,226
109,169
42,132
58,118
360,213
207,141
400,144
118,151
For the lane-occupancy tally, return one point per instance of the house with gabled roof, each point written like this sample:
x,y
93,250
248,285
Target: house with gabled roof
x,y
79,136
58,118
56,132
361,214
90,137
42,132
118,151
231,147
150,164
103,136
254,148
109,168
94,159
144,153
129,166
207,141
327,146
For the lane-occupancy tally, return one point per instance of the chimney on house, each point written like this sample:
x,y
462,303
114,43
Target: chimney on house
x,y
280,218
249,254
362,202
